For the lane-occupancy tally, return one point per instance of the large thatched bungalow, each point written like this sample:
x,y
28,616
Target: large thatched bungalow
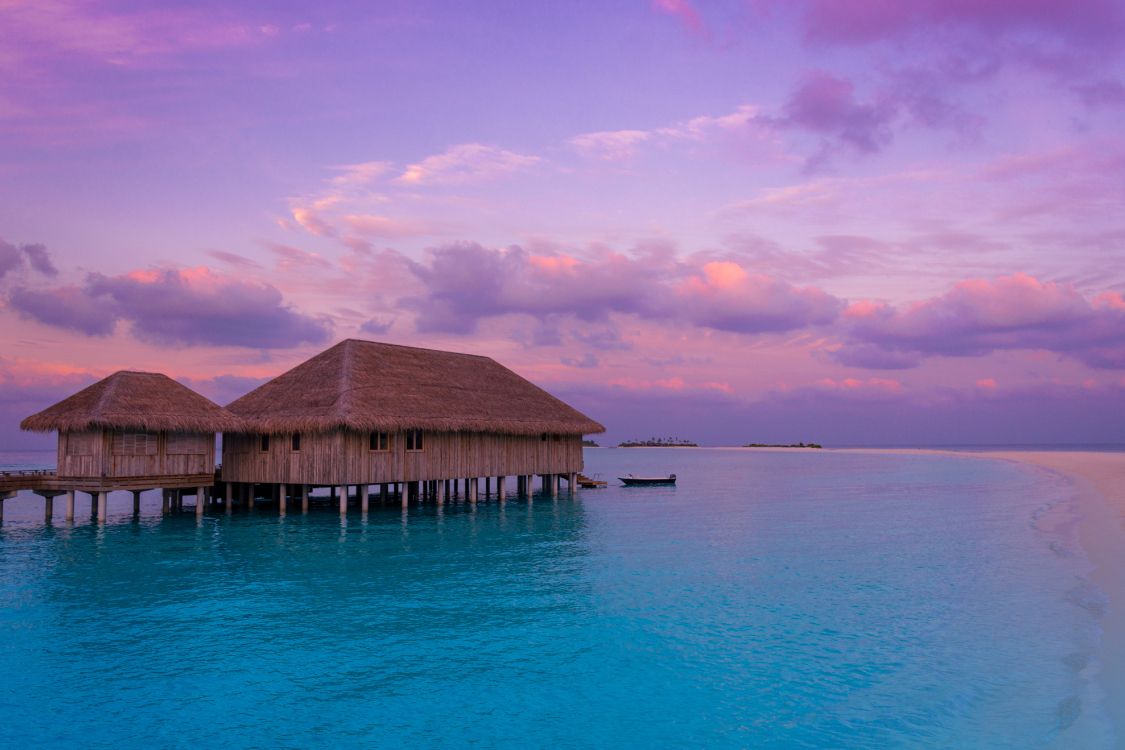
x,y
364,413
133,430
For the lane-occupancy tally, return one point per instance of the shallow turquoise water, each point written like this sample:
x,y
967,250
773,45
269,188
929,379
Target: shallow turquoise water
x,y
770,600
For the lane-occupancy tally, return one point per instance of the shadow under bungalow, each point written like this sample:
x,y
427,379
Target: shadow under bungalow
x,y
398,421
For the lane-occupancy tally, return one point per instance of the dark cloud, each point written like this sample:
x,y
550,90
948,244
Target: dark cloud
x,y
175,307
10,258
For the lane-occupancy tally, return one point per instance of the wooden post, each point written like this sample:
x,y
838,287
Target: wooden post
x,y
164,500
474,489
500,487
137,502
384,492
363,497
102,502
304,498
553,484
572,482
439,494
229,497
93,503
282,497
250,495
344,500
48,507
200,501
70,505
405,494
487,486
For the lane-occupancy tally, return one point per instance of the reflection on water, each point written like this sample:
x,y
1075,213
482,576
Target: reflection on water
x,y
770,600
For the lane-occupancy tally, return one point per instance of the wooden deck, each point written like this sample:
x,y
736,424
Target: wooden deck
x,y
39,480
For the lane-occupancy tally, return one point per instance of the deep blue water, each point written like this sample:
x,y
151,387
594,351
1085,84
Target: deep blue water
x,y
777,600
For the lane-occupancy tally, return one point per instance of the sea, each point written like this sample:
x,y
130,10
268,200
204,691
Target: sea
x,y
790,599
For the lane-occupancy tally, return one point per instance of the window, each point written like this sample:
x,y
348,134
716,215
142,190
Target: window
x,y
264,443
413,440
184,444
295,442
379,441
134,443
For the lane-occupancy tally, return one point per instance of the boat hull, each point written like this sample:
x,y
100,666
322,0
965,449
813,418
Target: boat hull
x,y
648,481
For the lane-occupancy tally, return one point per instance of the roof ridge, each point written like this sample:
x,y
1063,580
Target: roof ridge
x,y
344,386
110,390
416,348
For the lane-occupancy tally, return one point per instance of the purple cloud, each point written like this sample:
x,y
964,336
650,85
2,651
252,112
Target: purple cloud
x,y
977,317
70,307
12,258
826,104
184,307
466,283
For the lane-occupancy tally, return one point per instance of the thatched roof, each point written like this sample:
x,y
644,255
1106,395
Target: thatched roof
x,y
135,401
363,385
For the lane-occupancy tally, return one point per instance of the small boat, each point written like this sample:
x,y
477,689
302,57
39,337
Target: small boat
x,y
590,484
632,481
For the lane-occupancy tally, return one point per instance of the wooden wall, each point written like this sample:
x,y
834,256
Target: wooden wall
x,y
107,453
342,457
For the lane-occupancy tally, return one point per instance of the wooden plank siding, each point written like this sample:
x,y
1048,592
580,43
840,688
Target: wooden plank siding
x,y
99,453
342,457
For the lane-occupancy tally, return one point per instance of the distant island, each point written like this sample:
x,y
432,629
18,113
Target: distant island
x,y
590,444
778,445
658,443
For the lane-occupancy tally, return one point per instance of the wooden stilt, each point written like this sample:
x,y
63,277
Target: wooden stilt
x,y
383,492
439,493
93,504
500,487
136,502
572,482
282,498
364,502
102,503
554,485
250,495
474,488
70,505
164,501
487,486
48,508
304,498
344,500
200,501
405,495
229,497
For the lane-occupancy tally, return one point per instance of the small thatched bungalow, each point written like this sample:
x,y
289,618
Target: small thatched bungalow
x,y
365,413
135,429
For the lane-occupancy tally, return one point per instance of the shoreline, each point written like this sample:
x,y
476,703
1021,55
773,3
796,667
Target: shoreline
x,y
1097,479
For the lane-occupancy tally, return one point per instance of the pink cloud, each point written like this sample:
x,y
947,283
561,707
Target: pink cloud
x,y
465,283
465,163
174,307
684,11
979,316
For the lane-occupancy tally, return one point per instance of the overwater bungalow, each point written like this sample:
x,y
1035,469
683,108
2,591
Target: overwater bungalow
x,y
129,431
364,413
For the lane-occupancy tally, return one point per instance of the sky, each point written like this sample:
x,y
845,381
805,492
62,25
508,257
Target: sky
x,y
856,222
